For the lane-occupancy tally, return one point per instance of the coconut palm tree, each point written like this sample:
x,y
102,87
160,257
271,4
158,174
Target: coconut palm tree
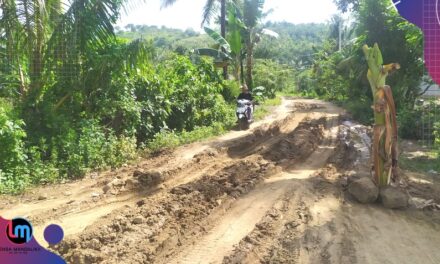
x,y
339,31
42,35
252,16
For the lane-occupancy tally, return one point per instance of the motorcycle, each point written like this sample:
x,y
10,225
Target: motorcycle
x,y
244,113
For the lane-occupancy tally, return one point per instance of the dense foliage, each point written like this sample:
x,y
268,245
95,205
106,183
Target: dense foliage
x,y
296,45
165,39
341,75
91,103
273,77
77,95
102,125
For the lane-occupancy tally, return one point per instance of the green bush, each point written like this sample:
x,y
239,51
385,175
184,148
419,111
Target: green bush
x,y
409,120
412,120
273,76
231,90
360,110
437,138
92,148
13,158
40,171
75,128
195,98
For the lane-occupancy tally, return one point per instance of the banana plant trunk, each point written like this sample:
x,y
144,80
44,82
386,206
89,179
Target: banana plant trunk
x,y
384,149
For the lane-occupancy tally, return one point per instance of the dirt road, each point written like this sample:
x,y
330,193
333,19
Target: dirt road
x,y
273,194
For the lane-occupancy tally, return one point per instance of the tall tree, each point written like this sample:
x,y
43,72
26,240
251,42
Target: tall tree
x,y
252,16
223,30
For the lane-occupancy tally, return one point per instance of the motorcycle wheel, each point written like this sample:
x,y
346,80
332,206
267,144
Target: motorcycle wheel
x,y
243,124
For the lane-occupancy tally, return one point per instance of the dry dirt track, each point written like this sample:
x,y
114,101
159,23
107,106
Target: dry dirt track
x,y
274,194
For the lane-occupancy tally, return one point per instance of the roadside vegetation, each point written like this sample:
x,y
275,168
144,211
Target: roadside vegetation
x,y
85,96
77,94
337,70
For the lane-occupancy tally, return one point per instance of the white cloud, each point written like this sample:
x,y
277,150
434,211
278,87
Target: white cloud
x,y
187,13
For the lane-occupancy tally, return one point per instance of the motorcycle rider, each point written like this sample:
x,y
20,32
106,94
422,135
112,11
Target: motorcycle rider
x,y
247,95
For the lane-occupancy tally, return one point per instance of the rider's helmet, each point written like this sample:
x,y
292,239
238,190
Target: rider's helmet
x,y
244,88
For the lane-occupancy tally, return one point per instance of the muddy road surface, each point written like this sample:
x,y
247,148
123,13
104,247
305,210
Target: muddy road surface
x,y
273,194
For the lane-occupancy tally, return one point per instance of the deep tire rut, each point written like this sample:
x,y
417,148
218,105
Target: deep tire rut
x,y
246,212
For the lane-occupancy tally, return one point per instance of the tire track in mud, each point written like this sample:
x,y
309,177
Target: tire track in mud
x,y
133,224
301,227
172,164
316,222
248,210
85,199
174,217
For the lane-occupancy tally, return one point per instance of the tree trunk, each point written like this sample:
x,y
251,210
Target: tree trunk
x,y
223,32
249,63
241,68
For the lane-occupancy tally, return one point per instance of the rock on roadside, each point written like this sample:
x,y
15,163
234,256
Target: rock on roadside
x,y
149,177
394,198
364,190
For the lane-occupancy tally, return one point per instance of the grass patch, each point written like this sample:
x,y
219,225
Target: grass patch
x,y
428,162
290,92
273,102
262,110
172,139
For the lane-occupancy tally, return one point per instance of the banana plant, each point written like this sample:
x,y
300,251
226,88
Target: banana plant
x,y
230,50
236,28
222,55
384,147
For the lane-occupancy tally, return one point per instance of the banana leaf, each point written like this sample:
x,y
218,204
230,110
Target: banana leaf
x,y
218,39
270,33
235,26
216,54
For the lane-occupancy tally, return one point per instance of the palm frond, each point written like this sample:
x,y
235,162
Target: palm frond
x,y
253,12
86,24
167,3
209,10
235,27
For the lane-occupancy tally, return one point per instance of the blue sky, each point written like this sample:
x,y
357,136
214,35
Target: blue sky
x,y
187,13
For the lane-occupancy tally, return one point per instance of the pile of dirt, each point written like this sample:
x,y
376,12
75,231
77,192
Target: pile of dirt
x,y
306,106
249,144
300,143
161,222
